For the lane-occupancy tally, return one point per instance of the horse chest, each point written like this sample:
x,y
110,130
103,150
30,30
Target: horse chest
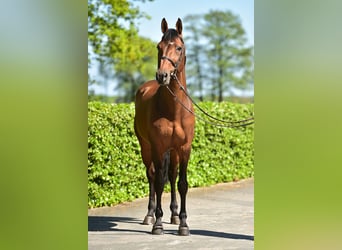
x,y
169,132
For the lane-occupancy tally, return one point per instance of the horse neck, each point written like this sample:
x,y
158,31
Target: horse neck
x,y
168,101
175,85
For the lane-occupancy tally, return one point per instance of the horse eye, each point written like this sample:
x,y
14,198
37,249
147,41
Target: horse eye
x,y
179,48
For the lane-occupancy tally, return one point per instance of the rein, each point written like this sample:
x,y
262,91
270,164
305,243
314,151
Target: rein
x,y
228,124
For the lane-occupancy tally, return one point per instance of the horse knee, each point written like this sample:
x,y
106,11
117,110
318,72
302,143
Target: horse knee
x,y
183,186
150,171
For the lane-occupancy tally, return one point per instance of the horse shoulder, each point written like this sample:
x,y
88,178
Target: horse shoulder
x,y
147,90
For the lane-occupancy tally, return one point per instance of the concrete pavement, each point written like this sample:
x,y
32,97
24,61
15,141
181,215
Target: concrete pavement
x,y
219,217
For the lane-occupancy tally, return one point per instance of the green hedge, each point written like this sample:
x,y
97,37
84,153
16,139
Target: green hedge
x,y
115,169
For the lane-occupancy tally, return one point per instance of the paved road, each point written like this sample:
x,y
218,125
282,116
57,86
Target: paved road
x,y
219,217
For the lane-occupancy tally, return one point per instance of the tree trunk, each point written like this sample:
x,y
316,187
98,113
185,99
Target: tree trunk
x,y
200,78
220,85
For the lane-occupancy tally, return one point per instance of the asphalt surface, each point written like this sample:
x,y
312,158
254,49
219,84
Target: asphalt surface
x,y
219,217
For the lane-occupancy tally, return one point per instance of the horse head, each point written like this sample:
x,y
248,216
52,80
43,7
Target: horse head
x,y
171,52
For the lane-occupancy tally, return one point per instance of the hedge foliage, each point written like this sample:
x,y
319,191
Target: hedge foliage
x,y
115,169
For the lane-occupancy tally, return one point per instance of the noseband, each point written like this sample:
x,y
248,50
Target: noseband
x,y
174,64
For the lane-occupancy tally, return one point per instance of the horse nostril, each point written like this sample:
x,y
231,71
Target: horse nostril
x,y
162,77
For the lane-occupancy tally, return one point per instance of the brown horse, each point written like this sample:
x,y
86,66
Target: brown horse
x,y
165,129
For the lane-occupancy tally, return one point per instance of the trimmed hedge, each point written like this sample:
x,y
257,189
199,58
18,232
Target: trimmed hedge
x,y
115,169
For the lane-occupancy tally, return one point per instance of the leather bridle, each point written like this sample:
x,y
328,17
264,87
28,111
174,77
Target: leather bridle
x,y
175,64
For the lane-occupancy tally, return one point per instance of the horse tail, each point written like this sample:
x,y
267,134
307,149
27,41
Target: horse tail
x,y
166,165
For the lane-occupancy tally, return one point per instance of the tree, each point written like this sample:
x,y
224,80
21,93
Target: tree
x,y
228,56
195,54
114,39
138,68
228,61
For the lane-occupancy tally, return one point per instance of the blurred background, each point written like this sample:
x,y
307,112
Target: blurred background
x,y
219,38
43,99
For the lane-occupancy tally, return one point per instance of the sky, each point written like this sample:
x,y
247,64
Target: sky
x,y
172,10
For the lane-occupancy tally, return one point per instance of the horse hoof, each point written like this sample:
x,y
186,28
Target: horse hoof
x,y
175,220
158,230
183,231
148,220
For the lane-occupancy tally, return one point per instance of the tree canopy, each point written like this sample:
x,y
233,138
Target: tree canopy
x,y
114,40
218,56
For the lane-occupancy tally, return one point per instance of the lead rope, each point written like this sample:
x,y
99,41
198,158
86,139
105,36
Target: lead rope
x,y
228,124
202,119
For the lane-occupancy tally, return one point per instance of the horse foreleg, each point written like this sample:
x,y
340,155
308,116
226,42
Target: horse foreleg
x,y
159,187
149,218
183,189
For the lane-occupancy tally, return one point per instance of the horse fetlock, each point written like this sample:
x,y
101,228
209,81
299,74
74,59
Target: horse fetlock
x,y
159,213
183,216
174,207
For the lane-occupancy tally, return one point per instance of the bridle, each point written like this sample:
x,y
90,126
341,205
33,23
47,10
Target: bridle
x,y
175,64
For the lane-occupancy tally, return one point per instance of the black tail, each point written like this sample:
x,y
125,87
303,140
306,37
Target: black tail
x,y
166,164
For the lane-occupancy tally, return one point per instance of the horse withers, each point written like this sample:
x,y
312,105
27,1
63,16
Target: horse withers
x,y
165,129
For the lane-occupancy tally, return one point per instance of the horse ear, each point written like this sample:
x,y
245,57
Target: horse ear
x,y
164,26
179,26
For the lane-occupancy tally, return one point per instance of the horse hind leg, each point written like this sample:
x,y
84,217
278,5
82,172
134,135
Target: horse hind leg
x,y
183,189
173,171
161,168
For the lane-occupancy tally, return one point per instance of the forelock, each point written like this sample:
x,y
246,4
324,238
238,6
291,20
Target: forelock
x,y
171,35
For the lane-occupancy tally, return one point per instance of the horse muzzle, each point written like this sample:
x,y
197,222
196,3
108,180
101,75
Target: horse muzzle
x,y
164,77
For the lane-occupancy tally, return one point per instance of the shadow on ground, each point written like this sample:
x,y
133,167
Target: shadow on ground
x,y
106,223
101,223
222,235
